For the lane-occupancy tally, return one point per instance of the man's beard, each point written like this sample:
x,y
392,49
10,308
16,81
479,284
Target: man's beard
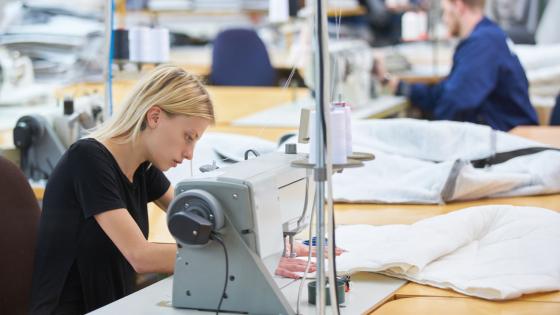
x,y
455,29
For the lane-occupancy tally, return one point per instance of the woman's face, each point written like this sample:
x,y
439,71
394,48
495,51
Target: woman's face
x,y
170,139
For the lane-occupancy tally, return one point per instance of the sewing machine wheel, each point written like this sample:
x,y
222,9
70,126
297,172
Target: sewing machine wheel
x,y
27,130
186,210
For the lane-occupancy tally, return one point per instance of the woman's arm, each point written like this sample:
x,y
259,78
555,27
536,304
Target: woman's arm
x,y
141,254
164,201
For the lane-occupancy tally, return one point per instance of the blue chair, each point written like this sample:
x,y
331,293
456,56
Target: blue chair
x,y
555,117
239,57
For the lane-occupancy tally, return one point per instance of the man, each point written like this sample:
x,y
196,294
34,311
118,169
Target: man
x,y
487,84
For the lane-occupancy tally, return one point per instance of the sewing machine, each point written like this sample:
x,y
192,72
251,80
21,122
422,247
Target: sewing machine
x,y
42,139
252,205
351,62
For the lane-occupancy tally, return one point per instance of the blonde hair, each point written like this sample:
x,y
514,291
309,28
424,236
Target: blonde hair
x,y
174,90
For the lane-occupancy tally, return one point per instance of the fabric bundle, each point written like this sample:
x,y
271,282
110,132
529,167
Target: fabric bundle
x,y
494,252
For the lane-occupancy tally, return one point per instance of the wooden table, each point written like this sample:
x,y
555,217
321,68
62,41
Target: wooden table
x,y
464,306
408,214
230,103
546,134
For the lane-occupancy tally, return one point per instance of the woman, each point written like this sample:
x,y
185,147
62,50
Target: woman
x,y
94,224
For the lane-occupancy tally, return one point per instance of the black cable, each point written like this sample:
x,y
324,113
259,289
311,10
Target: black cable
x,y
254,151
23,159
333,247
219,240
321,79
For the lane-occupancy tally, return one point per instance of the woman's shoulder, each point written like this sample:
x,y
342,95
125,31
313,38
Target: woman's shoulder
x,y
88,149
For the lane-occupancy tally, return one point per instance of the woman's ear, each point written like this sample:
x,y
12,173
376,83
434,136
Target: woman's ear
x,y
153,116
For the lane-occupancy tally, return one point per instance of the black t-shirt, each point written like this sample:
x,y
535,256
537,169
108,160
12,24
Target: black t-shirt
x,y
77,266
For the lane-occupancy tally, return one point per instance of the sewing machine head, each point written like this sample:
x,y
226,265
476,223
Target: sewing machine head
x,y
43,138
265,198
249,206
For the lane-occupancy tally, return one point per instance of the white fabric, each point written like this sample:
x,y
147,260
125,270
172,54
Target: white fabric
x,y
404,170
493,252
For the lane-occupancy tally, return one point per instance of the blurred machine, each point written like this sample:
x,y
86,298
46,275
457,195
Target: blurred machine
x,y
352,63
42,140
248,209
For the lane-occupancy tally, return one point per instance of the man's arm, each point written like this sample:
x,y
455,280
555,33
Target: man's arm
x,y
474,76
425,96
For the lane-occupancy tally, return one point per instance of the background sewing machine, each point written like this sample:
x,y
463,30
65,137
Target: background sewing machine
x,y
352,62
42,139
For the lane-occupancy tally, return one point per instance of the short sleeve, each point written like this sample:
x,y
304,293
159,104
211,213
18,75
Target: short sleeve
x,y
156,182
95,182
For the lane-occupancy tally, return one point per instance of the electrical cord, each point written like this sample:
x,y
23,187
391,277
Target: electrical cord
x,y
305,202
217,238
332,244
308,260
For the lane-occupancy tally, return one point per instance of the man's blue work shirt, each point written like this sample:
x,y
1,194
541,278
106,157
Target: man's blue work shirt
x,y
487,84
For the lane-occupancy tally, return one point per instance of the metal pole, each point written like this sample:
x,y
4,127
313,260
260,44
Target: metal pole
x,y
107,109
322,99
434,21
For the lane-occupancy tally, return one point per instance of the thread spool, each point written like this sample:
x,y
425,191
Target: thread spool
x,y
149,45
121,47
137,38
338,134
338,137
312,138
348,124
159,41
121,44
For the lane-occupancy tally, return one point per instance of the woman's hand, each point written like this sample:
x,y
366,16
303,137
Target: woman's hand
x,y
291,267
